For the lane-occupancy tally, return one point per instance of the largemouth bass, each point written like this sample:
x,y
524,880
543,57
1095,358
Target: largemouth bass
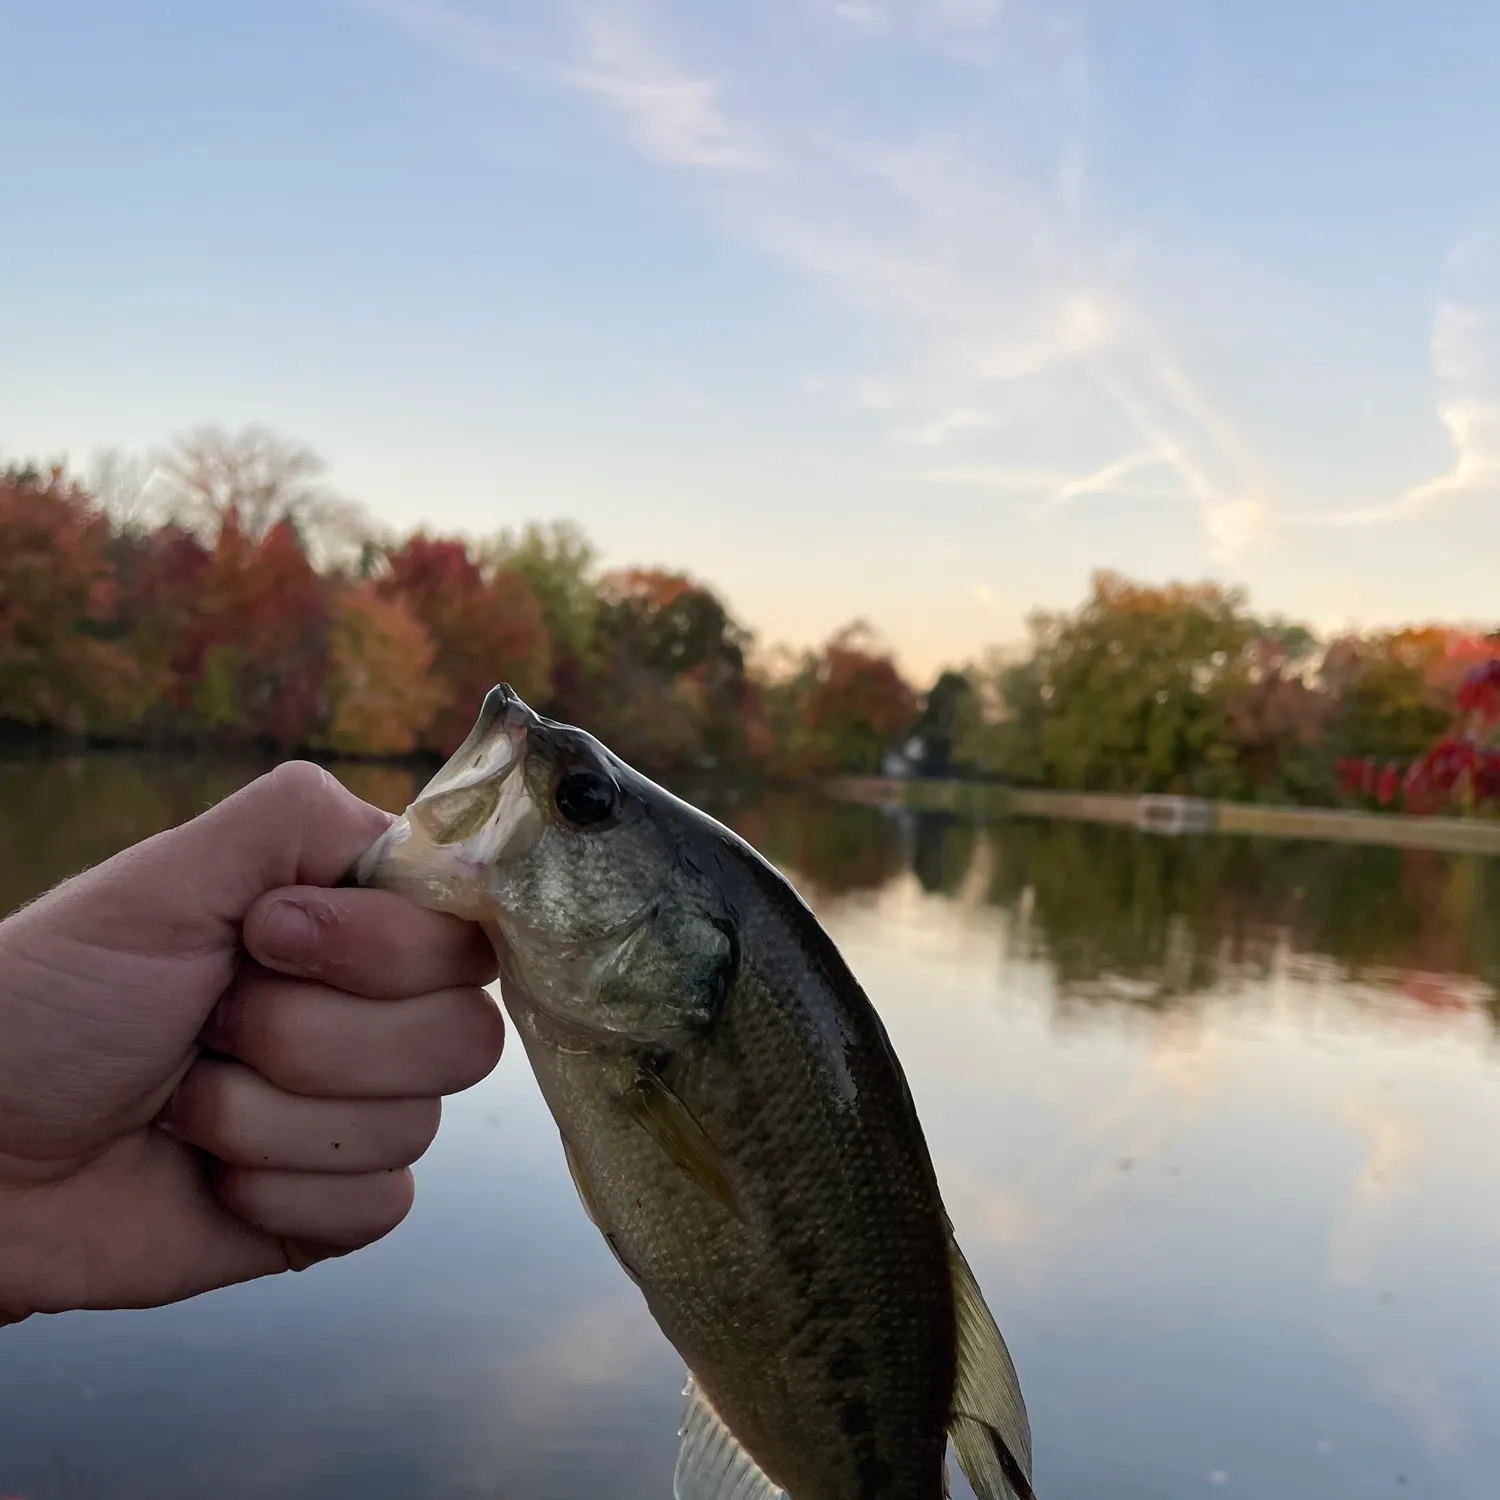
x,y
734,1118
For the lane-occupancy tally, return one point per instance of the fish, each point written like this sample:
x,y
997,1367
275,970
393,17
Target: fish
x,y
734,1117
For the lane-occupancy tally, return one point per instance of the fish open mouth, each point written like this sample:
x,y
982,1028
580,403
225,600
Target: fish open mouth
x,y
475,811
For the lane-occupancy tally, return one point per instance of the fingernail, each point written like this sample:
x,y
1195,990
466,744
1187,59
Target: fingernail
x,y
288,931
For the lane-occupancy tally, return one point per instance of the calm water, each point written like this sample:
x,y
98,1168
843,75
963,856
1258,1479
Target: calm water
x,y
1218,1124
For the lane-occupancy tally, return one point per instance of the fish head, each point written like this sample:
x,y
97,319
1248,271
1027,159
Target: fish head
x,y
566,857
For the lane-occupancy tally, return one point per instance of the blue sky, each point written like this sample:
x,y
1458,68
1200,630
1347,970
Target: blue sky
x,y
912,311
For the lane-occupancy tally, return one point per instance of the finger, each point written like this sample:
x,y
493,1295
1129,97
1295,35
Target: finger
x,y
335,1210
367,942
319,1042
233,1113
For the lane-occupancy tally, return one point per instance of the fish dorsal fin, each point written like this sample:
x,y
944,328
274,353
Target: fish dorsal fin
x,y
671,1124
990,1433
711,1465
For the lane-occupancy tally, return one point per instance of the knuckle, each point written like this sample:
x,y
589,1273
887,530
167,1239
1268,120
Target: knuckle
x,y
298,781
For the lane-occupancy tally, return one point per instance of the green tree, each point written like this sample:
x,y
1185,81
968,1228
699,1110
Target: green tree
x,y
1001,733
1136,685
558,561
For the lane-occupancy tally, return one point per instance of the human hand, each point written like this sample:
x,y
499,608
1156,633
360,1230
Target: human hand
x,y
135,1169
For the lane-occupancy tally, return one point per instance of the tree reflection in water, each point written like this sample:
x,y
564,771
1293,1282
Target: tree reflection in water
x,y
1118,916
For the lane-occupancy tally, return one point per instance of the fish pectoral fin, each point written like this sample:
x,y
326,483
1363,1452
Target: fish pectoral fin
x,y
585,1197
711,1465
670,1123
989,1430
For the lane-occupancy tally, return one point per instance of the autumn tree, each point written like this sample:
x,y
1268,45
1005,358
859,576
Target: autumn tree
x,y
163,576
381,689
671,642
483,630
261,637
57,600
1390,701
1136,685
1278,720
853,705
558,563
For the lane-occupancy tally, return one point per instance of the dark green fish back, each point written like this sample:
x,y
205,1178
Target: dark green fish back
x,y
840,1360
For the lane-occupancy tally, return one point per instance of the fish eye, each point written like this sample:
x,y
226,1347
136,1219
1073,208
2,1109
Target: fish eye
x,y
586,798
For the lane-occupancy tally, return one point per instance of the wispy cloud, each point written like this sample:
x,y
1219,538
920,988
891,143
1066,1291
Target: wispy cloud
x,y
1010,323
674,115
1464,355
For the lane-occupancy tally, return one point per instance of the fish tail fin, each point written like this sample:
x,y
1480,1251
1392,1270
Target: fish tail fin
x,y
711,1465
988,1428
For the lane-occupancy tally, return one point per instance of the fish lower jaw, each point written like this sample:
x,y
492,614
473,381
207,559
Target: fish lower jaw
x,y
440,879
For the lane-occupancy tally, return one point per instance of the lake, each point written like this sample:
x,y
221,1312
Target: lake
x,y
1218,1124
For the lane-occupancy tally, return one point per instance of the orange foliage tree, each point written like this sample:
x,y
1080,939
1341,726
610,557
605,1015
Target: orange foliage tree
x,y
57,600
381,689
483,630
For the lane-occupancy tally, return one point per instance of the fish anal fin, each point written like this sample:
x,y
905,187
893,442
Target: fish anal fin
x,y
669,1122
988,1465
711,1465
989,1429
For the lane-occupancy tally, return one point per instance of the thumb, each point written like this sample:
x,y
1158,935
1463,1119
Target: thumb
x,y
186,890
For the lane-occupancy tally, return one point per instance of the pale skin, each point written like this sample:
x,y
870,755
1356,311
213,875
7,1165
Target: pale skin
x,y
134,1169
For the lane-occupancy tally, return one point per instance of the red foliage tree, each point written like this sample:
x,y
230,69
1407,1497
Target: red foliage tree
x,y
483,630
57,598
235,639
163,577
856,705
1459,770
268,611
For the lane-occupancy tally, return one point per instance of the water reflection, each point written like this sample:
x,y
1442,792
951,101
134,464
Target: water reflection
x,y
1159,922
1210,1117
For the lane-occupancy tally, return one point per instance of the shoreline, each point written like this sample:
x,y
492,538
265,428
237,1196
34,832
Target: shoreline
x,y
1173,816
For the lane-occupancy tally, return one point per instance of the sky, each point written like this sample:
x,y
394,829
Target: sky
x,y
914,312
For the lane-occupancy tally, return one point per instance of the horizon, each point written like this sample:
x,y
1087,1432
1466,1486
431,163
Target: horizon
x,y
914,314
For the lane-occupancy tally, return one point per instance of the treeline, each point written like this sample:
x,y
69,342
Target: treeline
x,y
1183,689
222,595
